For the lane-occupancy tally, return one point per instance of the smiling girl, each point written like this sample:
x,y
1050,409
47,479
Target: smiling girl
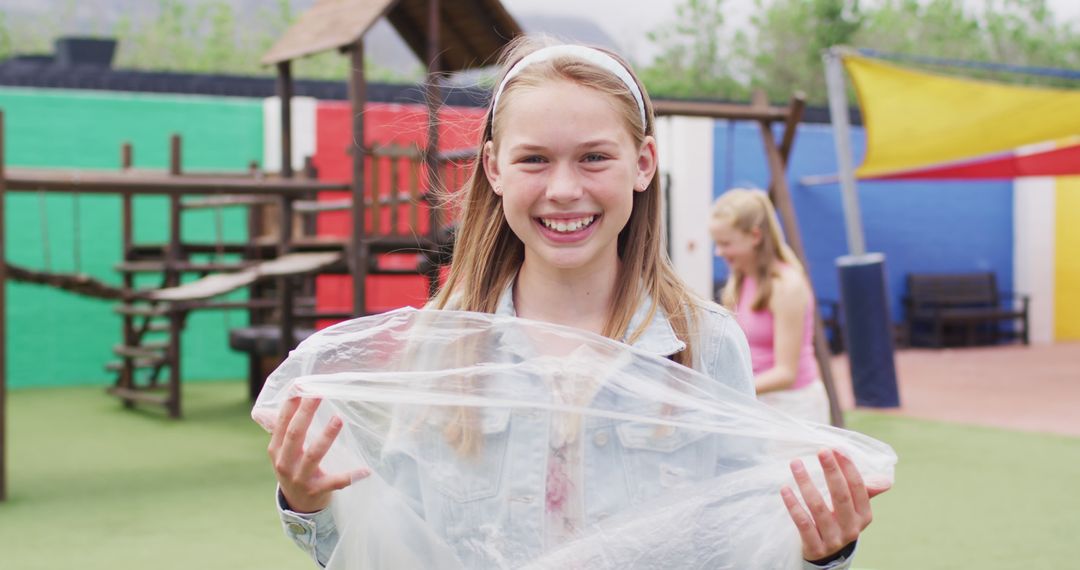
x,y
561,223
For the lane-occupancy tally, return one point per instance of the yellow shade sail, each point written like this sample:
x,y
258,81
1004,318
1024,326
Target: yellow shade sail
x,y
915,119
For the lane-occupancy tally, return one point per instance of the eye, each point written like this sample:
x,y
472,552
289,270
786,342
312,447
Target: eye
x,y
594,157
532,159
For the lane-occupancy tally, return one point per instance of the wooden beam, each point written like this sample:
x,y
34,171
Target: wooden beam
x,y
285,283
796,108
126,379
431,153
358,99
101,182
781,198
732,111
172,255
285,94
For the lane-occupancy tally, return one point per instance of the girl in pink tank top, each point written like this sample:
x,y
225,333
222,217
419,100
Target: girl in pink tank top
x,y
773,303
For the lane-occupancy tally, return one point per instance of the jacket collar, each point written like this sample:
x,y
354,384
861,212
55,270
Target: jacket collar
x,y
658,338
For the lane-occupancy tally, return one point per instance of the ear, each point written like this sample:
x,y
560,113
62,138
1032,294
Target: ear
x,y
491,167
646,164
755,236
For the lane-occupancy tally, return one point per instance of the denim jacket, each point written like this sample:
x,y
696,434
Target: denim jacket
x,y
629,449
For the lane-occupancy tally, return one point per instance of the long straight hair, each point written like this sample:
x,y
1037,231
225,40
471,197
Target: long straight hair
x,y
748,210
487,253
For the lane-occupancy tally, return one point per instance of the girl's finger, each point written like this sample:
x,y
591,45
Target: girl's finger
x,y
860,497
314,453
284,417
296,433
826,523
808,532
844,510
339,481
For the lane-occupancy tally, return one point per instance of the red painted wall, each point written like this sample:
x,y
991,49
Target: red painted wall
x,y
384,124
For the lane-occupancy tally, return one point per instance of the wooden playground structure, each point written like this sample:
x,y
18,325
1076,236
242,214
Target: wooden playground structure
x,y
278,262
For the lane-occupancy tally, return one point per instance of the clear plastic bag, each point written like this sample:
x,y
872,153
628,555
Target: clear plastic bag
x,y
497,442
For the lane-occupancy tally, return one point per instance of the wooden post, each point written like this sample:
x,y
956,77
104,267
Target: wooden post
x,y
311,172
781,198
3,326
358,98
127,371
796,107
431,153
172,279
285,93
285,226
285,283
127,159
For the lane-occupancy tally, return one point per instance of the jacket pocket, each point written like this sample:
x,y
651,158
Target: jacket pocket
x,y
656,438
658,458
465,475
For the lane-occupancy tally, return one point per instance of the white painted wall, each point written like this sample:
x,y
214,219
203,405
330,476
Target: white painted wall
x,y
685,145
1033,251
303,132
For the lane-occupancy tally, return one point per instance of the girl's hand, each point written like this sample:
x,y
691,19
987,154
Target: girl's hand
x,y
303,483
826,532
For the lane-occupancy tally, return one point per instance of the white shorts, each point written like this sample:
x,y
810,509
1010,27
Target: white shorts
x,y
807,403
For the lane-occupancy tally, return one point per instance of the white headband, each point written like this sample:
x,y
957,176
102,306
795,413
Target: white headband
x,y
593,56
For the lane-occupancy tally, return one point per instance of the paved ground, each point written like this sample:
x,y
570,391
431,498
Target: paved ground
x,y
1035,388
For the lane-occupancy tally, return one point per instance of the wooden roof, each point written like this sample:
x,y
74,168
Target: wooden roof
x,y
471,33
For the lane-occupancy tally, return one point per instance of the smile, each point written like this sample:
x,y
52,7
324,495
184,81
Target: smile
x,y
568,226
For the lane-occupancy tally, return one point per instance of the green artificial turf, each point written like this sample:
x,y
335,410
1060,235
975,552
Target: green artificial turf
x,y
95,486
92,485
973,498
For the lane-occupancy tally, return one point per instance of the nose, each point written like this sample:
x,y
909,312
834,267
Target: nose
x,y
564,184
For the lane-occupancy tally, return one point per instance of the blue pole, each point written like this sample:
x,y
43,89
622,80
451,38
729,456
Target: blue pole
x,y
867,326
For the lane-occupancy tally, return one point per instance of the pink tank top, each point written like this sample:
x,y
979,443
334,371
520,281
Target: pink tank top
x,y
758,326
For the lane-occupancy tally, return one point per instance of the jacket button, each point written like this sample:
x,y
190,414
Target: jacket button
x,y
297,528
600,439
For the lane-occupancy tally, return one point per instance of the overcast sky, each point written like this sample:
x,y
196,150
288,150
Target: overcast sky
x,y
628,21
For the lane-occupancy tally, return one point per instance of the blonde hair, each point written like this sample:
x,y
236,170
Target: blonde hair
x,y
746,210
487,253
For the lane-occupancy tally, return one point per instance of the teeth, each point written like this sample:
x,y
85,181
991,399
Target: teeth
x,y
568,225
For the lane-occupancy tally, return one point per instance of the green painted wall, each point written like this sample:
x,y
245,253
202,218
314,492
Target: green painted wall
x,y
57,338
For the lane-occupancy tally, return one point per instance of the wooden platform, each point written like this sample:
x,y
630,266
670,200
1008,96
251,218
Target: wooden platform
x,y
221,283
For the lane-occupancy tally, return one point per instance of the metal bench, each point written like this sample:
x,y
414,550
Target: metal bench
x,y
949,309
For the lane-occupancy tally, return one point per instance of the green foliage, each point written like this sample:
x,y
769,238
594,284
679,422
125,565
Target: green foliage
x,y
788,37
5,38
780,52
693,61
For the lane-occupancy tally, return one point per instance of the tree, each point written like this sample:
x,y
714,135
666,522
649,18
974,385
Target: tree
x,y
787,38
692,61
781,50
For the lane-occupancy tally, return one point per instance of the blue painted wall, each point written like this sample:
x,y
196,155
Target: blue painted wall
x,y
925,226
